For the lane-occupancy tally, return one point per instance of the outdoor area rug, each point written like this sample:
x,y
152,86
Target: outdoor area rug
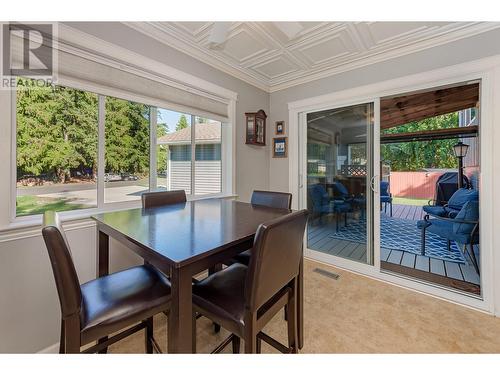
x,y
401,234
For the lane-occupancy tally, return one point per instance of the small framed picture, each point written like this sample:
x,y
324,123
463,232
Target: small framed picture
x,y
280,127
280,147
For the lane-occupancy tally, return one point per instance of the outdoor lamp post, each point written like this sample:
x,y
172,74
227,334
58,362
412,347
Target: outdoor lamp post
x,y
460,150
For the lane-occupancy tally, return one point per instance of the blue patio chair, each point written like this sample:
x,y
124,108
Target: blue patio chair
x,y
385,196
463,229
323,204
341,193
454,205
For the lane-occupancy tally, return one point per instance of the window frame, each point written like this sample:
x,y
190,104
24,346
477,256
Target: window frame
x,y
228,133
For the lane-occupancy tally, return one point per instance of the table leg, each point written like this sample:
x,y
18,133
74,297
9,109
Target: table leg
x,y
300,305
180,317
102,254
102,267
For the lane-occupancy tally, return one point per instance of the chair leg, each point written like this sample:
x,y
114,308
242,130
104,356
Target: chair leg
x,y
62,349
105,350
211,271
448,245
422,250
148,335
71,339
216,328
193,333
258,346
250,334
292,319
390,204
236,344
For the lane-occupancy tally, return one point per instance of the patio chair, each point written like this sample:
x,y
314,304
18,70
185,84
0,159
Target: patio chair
x,y
463,229
385,196
342,194
454,205
323,204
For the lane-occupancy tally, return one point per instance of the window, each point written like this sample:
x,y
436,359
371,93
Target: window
x,y
56,148
208,162
126,150
174,141
142,148
176,148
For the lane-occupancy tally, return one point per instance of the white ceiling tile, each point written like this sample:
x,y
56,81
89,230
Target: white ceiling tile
x,y
243,45
276,67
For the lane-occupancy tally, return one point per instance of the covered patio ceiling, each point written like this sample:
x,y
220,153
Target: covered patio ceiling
x,y
399,110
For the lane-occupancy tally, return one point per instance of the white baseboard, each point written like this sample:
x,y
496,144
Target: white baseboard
x,y
52,349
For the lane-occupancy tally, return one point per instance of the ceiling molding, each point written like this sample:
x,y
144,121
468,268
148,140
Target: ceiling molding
x,y
260,54
176,40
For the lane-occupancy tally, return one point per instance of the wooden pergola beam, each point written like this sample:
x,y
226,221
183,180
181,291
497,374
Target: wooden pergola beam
x,y
427,135
403,109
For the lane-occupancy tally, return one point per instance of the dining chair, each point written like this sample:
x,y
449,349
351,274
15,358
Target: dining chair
x,y
272,199
125,300
161,198
243,299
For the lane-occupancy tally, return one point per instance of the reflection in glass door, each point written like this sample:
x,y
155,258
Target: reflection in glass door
x,y
339,181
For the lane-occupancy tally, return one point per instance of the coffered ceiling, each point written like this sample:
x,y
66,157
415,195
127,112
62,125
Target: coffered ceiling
x,y
277,55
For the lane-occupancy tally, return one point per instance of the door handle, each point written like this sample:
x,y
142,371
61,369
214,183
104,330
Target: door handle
x,y
372,183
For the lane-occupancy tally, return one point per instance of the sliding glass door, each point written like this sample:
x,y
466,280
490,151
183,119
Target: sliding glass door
x,y
339,191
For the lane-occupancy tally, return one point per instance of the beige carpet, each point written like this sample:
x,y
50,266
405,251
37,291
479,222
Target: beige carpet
x,y
355,314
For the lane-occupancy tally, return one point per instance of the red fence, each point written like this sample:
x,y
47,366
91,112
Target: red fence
x,y
420,185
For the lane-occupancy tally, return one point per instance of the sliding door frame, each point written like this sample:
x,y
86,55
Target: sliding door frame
x,y
372,177
485,70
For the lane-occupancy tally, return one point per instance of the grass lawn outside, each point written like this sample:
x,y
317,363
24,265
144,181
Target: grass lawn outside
x,y
410,201
32,205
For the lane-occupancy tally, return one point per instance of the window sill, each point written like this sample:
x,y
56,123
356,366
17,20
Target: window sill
x,y
32,221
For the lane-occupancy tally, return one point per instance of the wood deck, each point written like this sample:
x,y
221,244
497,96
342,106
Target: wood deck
x,y
319,239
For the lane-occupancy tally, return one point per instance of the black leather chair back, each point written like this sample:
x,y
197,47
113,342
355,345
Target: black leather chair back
x,y
67,283
161,198
272,199
276,256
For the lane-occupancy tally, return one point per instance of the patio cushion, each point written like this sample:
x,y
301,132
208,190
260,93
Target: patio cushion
x,y
385,199
384,189
319,197
444,229
435,210
341,189
461,196
469,212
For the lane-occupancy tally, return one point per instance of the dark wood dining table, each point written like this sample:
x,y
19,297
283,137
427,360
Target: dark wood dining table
x,y
182,240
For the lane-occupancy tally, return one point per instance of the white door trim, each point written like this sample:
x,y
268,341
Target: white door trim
x,y
488,70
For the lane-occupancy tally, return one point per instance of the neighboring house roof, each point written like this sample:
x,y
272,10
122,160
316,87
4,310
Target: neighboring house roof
x,y
205,133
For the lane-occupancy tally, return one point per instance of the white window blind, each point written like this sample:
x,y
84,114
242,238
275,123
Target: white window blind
x,y
130,80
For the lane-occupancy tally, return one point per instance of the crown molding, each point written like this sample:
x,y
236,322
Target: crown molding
x,y
175,39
